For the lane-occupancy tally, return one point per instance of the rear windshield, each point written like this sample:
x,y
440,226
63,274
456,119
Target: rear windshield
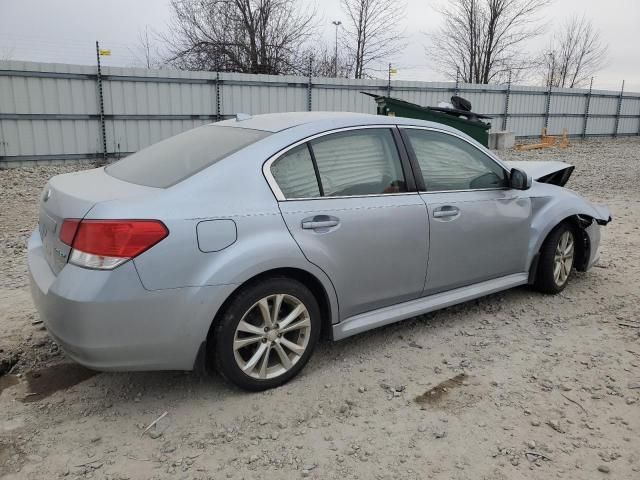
x,y
172,160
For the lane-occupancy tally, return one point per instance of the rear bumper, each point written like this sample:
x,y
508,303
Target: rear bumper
x,y
106,320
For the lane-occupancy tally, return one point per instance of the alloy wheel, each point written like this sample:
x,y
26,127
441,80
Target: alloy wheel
x,y
563,258
272,336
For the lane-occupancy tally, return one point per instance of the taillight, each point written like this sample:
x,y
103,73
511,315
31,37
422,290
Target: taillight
x,y
68,230
105,244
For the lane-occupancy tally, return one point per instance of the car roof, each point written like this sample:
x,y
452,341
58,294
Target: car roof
x,y
277,122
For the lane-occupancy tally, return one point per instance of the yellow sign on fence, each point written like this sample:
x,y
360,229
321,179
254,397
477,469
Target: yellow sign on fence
x,y
105,53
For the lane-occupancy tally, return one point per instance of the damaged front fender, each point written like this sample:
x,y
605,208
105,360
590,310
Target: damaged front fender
x,y
552,205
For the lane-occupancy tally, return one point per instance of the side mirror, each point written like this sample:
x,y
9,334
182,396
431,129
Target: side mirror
x,y
519,179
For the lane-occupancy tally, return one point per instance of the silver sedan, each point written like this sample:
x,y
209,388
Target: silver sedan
x,y
236,244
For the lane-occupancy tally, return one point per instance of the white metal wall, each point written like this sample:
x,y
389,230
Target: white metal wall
x,y
50,112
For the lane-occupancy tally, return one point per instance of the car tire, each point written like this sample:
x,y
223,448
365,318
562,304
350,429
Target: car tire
x,y
556,261
256,344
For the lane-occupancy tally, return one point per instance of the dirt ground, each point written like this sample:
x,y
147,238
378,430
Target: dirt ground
x,y
515,385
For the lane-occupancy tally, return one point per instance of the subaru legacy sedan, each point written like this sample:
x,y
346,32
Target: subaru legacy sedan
x,y
237,244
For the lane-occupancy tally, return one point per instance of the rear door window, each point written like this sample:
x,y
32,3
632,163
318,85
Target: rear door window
x,y
359,162
172,160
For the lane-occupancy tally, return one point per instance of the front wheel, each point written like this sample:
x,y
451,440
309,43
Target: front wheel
x,y
556,260
267,334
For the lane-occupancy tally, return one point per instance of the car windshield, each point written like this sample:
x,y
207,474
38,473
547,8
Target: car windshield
x,y
172,160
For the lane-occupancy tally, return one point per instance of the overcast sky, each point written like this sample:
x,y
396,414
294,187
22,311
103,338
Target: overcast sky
x,y
65,31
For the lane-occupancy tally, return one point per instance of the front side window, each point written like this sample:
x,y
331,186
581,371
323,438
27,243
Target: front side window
x,y
358,162
450,163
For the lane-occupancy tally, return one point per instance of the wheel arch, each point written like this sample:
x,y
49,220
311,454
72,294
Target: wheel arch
x,y
578,223
328,311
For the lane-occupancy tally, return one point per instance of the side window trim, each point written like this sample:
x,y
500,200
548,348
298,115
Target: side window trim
x,y
405,160
413,160
422,188
315,169
402,154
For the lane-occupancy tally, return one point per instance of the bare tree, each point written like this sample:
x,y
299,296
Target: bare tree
x,y
146,53
574,55
6,53
249,36
323,62
372,32
483,39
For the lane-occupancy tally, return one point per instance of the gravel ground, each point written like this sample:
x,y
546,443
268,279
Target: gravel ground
x,y
515,385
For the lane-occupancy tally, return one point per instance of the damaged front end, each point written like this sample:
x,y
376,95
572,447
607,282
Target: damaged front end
x,y
551,172
558,173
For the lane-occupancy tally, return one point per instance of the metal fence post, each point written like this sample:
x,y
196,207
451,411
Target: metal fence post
x,y
618,109
548,107
389,83
103,129
457,89
638,122
506,103
218,96
586,110
309,85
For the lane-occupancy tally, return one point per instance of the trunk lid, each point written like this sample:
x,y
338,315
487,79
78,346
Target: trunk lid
x,y
72,195
553,172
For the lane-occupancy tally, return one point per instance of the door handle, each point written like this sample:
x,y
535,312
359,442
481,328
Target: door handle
x,y
320,221
446,211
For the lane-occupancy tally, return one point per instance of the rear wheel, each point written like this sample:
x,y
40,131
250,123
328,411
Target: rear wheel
x,y
267,334
556,260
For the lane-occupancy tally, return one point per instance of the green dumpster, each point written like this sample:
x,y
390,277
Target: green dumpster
x,y
476,129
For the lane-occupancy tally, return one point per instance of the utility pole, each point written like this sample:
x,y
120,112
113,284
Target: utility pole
x,y
337,23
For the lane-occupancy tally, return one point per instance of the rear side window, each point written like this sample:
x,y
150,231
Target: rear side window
x,y
351,163
172,160
449,163
358,162
295,174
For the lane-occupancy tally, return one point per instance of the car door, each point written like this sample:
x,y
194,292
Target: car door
x,y
479,227
344,197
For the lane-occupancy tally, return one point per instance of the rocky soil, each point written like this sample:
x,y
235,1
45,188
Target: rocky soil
x,y
516,385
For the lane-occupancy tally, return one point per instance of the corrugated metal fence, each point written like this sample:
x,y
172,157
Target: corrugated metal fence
x,y
50,112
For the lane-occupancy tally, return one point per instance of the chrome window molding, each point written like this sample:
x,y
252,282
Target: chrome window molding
x,y
275,188
426,192
298,199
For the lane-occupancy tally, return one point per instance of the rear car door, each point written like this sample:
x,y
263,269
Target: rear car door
x,y
479,227
345,199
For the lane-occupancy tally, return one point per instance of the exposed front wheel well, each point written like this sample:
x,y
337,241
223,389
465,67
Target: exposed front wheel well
x,y
578,224
583,245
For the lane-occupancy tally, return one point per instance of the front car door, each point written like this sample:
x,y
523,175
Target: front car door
x,y
344,197
479,227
